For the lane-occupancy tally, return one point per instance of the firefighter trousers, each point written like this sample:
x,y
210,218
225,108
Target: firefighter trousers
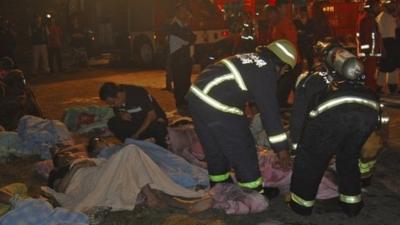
x,y
228,145
340,131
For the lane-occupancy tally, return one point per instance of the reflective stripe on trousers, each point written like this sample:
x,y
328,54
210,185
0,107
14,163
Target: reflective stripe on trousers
x,y
366,167
350,199
252,184
219,178
300,201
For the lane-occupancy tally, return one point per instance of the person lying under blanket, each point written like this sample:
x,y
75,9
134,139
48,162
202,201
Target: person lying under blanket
x,y
87,183
176,167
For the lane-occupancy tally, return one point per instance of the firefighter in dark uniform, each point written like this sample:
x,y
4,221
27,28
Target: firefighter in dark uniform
x,y
137,113
217,101
334,113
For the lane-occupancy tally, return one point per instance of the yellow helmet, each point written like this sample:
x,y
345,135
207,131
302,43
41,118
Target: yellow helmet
x,y
285,51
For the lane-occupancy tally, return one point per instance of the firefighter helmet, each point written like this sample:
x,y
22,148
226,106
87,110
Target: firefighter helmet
x,y
369,4
285,51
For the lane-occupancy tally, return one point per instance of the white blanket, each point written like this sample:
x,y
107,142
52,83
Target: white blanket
x,y
117,182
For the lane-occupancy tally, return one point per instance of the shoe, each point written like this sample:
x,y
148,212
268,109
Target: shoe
x,y
270,192
351,210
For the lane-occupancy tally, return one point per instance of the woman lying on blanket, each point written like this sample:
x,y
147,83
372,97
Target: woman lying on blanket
x,y
84,184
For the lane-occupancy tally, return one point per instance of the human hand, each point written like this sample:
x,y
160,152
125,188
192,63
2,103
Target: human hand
x,y
125,116
285,162
284,70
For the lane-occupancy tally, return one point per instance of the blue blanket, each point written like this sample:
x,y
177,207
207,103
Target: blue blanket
x,y
39,212
39,135
177,168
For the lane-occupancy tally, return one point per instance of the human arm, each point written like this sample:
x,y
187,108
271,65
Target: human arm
x,y
181,32
150,117
264,92
306,89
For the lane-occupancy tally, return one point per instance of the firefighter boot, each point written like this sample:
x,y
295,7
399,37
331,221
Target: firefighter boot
x,y
351,210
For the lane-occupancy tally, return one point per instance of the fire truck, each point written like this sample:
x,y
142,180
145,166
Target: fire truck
x,y
137,28
342,15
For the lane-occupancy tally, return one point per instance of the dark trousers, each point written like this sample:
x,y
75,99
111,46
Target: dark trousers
x,y
227,142
55,57
181,71
123,129
341,131
168,75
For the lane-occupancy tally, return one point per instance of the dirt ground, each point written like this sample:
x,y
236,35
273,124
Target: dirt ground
x,y
57,92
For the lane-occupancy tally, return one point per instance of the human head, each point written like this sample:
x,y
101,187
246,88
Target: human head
x,y
63,159
271,14
281,7
111,94
86,118
182,12
389,6
94,146
15,79
6,63
372,6
285,51
38,19
303,12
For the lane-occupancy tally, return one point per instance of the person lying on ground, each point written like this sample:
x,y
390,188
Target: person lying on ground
x,y
116,183
177,168
137,113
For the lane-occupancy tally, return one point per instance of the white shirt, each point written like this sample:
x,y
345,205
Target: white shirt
x,y
387,25
176,42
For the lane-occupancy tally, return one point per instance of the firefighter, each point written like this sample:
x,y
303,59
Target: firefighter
x,y
217,101
333,114
369,41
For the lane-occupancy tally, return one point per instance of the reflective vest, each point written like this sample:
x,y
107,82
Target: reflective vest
x,y
233,75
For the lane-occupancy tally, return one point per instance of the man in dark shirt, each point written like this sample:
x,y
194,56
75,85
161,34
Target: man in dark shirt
x,y
137,113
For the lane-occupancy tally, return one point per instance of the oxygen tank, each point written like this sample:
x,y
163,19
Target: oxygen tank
x,y
345,63
341,61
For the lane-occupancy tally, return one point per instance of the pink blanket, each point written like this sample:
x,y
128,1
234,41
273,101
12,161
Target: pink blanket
x,y
275,177
234,200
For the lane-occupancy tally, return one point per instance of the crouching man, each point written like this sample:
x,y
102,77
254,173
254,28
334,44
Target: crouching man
x,y
137,113
334,113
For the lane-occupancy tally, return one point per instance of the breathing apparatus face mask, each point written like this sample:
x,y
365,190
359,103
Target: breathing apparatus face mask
x,y
340,61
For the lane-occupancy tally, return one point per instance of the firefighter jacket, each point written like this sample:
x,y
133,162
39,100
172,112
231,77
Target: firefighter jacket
x,y
227,85
317,93
369,39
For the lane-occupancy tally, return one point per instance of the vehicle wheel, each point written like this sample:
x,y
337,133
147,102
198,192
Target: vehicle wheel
x,y
145,54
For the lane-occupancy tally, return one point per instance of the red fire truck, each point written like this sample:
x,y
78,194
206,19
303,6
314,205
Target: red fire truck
x,y
342,15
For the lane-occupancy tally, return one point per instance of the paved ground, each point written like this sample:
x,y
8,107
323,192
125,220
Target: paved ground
x,y
57,92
